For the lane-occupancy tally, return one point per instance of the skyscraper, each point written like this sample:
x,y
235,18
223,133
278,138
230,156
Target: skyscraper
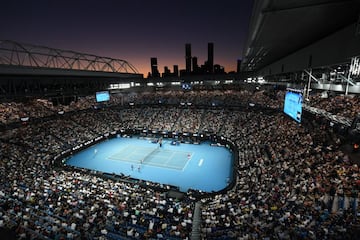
x,y
195,65
210,61
238,67
176,70
154,67
166,72
188,58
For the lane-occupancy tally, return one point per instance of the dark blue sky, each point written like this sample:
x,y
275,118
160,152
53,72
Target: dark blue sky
x,y
132,30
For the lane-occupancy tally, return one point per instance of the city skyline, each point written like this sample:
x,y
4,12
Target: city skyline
x,y
192,66
134,31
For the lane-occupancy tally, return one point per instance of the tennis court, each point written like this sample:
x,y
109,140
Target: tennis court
x,y
187,166
154,156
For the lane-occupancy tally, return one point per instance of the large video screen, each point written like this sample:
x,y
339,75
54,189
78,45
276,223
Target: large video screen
x,y
186,86
293,105
102,96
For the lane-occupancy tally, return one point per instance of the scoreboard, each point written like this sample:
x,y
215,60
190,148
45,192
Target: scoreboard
x,y
293,104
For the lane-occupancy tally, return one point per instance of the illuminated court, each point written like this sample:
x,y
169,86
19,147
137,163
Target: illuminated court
x,y
155,156
187,166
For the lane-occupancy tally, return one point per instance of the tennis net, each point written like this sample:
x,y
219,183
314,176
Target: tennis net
x,y
151,153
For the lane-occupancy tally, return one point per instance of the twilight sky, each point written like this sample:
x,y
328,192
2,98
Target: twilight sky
x,y
133,30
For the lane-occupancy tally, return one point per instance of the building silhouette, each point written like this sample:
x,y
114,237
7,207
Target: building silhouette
x,y
166,72
192,66
154,67
210,61
195,66
238,66
218,69
176,70
188,58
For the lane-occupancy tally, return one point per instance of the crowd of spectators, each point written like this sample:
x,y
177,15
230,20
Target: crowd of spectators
x,y
292,180
340,105
40,201
292,183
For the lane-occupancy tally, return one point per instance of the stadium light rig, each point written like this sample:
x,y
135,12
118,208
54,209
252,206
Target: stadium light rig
x,y
355,66
260,80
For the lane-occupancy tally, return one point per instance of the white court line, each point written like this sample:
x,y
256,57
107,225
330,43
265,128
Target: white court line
x,y
164,160
169,158
200,162
188,160
165,164
162,166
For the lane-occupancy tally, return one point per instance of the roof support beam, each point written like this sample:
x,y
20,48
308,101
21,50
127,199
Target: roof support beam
x,y
272,10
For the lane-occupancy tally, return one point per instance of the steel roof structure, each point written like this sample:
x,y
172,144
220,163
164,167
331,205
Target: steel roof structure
x,y
40,57
279,28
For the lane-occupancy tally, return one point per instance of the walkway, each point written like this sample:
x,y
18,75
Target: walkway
x,y
196,233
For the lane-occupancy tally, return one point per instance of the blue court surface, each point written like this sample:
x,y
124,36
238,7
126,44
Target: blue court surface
x,y
187,166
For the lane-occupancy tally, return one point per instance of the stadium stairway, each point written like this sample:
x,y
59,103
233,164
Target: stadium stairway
x,y
339,204
195,233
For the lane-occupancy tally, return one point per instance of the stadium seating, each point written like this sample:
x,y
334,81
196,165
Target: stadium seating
x,y
293,181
